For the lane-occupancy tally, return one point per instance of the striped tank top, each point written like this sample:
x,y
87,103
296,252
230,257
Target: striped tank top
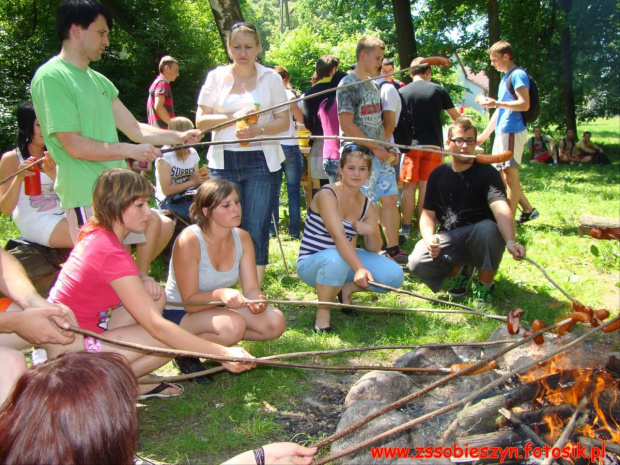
x,y
317,238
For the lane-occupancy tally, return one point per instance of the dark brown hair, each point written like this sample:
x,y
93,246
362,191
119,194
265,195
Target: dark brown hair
x,y
77,409
356,151
209,195
114,192
324,66
464,124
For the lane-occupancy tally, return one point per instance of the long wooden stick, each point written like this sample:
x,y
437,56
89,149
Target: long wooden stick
x,y
275,227
427,389
557,286
469,310
452,406
315,303
568,430
21,170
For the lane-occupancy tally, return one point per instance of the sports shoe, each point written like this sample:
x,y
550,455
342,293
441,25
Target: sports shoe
x,y
401,257
189,365
403,237
460,283
525,217
482,294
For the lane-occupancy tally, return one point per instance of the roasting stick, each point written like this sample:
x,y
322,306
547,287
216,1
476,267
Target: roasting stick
x,y
21,170
262,361
469,310
159,379
314,303
435,61
453,406
557,286
512,418
480,157
568,430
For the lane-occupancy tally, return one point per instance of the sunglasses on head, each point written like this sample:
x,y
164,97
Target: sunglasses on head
x,y
242,24
348,148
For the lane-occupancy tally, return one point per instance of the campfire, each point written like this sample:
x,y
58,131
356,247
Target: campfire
x,y
569,404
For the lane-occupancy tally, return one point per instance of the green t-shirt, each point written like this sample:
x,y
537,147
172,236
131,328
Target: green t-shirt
x,y
70,99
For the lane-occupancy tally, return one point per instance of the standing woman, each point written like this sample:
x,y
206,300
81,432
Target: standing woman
x,y
102,283
39,218
328,259
233,90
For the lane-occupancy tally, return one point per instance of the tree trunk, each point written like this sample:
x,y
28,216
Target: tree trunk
x,y
568,97
494,36
405,35
226,13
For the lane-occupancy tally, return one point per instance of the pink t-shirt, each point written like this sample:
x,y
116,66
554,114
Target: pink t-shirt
x,y
84,282
331,127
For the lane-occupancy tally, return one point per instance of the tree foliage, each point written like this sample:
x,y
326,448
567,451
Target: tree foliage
x,y
142,33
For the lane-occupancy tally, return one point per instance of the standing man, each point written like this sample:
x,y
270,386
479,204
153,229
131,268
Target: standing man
x,y
425,102
387,67
159,105
79,112
359,114
468,202
507,122
326,68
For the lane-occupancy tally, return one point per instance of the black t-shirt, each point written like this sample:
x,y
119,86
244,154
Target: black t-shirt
x,y
425,101
461,199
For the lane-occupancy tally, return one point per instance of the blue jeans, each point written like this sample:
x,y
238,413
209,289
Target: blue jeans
x,y
292,167
257,191
331,169
328,268
180,207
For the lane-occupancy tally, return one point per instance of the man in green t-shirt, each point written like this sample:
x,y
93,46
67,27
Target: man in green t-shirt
x,y
79,112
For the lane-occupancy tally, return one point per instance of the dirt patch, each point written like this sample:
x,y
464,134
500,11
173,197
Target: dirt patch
x,y
317,412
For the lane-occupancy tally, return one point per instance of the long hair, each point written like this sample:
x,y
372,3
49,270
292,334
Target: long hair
x,y
77,409
114,192
25,127
209,195
181,124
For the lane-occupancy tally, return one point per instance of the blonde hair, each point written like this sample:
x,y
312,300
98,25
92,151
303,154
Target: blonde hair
x,y
209,195
503,48
242,27
115,190
166,61
182,124
368,43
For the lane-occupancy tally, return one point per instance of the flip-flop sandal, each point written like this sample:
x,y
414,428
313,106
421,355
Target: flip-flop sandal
x,y
157,391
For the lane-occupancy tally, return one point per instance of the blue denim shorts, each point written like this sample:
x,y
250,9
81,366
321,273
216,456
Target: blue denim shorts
x,y
382,181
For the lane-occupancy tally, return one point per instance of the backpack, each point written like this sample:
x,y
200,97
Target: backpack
x,y
532,113
403,131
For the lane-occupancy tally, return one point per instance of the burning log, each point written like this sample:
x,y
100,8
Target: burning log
x,y
542,387
480,416
562,411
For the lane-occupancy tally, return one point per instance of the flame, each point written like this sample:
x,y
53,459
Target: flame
x,y
603,421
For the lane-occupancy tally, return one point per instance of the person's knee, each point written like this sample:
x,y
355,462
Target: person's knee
x,y
13,366
231,329
389,201
486,228
274,323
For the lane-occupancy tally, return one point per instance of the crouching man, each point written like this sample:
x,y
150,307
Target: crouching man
x,y
468,201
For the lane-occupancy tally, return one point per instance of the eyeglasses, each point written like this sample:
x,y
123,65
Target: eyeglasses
x,y
242,24
460,141
348,148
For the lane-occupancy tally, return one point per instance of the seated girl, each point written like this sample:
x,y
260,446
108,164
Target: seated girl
x,y
328,259
208,258
39,218
177,172
101,281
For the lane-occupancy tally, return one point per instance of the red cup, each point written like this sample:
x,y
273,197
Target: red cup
x,y
32,184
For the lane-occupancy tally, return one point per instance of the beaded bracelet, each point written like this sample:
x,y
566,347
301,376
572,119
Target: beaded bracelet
x,y
259,456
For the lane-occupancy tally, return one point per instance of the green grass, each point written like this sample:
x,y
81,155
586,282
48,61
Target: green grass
x,y
236,412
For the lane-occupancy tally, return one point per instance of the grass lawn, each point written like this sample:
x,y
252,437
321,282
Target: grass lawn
x,y
239,412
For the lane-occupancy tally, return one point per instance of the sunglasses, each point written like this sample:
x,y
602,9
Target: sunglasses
x,y
242,24
348,148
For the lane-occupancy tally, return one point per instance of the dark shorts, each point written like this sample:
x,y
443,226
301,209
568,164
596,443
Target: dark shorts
x,y
173,315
